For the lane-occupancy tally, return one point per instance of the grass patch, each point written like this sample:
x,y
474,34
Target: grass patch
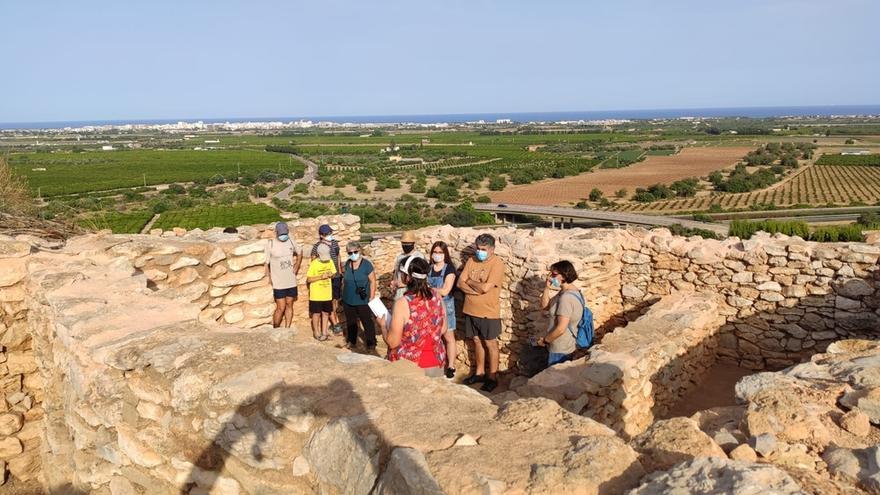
x,y
119,223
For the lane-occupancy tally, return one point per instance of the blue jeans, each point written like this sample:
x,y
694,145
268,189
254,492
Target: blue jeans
x,y
557,357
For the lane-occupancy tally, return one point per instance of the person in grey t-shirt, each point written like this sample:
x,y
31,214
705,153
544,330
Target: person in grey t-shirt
x,y
566,312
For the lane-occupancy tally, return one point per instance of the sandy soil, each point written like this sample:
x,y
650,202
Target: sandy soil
x,y
716,390
690,162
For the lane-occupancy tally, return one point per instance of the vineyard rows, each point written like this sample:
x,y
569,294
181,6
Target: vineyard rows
x,y
816,185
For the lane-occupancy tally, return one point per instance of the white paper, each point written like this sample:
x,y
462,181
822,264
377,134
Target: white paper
x,y
378,308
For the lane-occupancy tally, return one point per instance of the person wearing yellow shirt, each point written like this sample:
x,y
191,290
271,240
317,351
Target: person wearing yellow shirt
x,y
321,271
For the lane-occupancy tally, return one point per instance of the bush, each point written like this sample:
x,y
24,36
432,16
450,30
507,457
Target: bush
x,y
745,229
259,191
595,194
620,194
301,189
497,183
174,189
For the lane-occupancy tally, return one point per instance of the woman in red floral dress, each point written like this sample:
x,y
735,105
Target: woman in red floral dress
x,y
418,322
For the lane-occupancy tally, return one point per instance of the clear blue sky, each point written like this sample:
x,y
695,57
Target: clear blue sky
x,y
82,60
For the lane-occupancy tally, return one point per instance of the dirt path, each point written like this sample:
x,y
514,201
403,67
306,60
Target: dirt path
x,y
149,225
307,178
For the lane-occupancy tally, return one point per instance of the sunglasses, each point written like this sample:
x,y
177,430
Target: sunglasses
x,y
353,252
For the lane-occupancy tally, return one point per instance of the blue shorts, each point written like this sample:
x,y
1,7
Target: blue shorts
x,y
282,293
557,357
450,314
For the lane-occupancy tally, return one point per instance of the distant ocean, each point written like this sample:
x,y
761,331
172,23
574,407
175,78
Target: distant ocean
x,y
752,112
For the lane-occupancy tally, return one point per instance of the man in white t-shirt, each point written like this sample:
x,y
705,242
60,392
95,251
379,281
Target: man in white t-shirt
x,y
283,260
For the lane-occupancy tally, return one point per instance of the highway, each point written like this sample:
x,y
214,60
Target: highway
x,y
600,216
307,178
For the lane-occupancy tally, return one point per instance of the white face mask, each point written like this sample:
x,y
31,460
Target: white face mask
x,y
329,237
437,257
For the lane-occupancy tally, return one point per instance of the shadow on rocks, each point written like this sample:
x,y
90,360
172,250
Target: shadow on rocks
x,y
342,447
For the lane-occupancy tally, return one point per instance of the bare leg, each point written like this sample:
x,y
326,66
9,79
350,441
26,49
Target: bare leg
x,y
492,346
480,356
288,311
451,351
316,325
334,317
280,307
325,324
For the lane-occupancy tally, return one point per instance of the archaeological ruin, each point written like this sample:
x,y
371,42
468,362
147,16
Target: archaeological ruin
x,y
146,364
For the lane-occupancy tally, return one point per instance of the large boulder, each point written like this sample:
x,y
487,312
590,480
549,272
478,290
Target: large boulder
x,y
668,442
715,476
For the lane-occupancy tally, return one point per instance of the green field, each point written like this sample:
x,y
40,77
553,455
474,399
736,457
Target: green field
x,y
119,223
873,159
68,173
217,216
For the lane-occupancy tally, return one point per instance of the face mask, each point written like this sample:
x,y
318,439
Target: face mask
x,y
482,254
407,248
555,282
437,257
283,237
354,256
330,237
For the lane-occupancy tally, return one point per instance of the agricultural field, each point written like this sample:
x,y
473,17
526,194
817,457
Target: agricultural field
x,y
689,162
207,217
816,185
67,173
119,223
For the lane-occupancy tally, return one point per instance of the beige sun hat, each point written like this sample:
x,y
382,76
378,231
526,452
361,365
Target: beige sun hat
x,y
408,236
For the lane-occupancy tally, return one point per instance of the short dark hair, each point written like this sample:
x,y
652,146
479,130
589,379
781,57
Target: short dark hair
x,y
566,269
485,240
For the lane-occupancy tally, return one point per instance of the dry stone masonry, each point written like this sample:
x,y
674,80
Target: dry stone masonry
x,y
143,364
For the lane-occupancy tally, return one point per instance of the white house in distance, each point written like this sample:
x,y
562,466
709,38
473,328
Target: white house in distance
x,y
855,152
107,147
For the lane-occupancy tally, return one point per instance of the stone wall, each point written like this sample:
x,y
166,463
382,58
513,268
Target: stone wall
x,y
224,273
527,255
639,371
144,398
21,389
790,298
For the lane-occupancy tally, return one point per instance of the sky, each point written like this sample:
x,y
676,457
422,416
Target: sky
x,y
91,60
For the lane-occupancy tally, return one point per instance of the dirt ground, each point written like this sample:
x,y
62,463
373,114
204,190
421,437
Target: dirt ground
x,y
715,390
690,162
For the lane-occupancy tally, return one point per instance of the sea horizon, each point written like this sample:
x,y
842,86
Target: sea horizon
x,y
490,117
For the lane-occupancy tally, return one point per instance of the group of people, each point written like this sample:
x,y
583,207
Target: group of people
x,y
422,321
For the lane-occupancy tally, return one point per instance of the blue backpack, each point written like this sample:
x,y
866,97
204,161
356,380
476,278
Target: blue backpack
x,y
584,337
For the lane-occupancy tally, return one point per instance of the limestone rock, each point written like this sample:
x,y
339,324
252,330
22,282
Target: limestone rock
x,y
9,447
182,262
407,472
10,423
714,476
668,442
743,453
854,288
341,458
12,271
856,422
764,444
239,278
854,464
239,263
533,415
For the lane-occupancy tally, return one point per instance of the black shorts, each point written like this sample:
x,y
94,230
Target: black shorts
x,y
484,328
336,284
288,292
320,307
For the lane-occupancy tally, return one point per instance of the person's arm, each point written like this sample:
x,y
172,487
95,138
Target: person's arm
x,y
561,326
399,315
266,254
372,278
464,281
496,275
448,284
313,276
546,296
337,263
297,259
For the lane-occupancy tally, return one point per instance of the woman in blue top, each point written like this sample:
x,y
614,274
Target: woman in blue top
x,y
442,279
358,288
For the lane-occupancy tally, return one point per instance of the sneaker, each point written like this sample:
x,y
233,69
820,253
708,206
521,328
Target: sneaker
x,y
474,379
489,385
337,328
450,373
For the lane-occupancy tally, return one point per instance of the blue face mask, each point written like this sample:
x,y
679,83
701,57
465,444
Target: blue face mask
x,y
555,282
283,237
329,237
482,254
354,256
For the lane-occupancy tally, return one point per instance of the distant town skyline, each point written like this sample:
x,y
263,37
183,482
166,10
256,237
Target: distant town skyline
x,y
101,60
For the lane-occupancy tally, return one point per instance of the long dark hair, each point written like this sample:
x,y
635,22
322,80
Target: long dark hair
x,y
442,245
418,278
